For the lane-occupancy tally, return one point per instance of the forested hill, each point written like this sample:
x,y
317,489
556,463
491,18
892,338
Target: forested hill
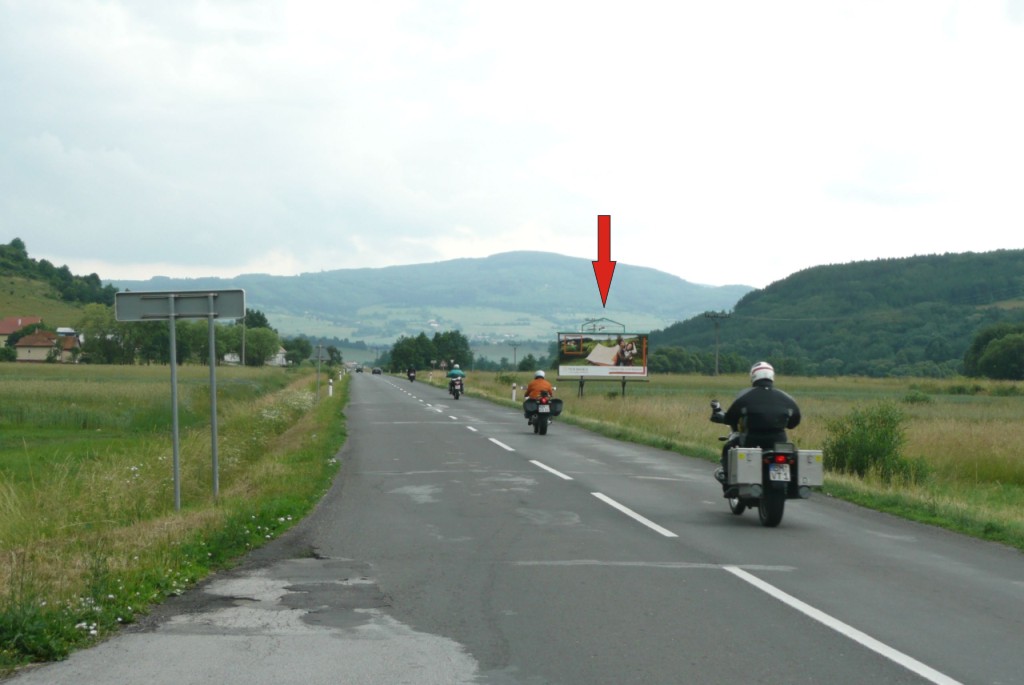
x,y
911,316
14,261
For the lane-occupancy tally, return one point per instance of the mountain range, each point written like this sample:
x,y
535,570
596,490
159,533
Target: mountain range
x,y
509,296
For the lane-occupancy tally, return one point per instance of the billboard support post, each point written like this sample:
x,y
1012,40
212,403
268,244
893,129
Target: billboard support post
x,y
199,304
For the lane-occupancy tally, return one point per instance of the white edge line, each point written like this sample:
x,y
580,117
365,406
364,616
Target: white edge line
x,y
470,428
548,468
502,445
849,631
453,418
632,514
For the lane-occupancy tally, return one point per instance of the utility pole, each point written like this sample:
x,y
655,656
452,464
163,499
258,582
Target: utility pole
x,y
716,317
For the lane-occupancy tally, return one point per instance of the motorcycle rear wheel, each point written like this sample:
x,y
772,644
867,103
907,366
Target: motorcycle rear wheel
x,y
542,424
771,507
536,424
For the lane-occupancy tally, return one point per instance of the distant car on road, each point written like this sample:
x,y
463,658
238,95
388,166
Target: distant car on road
x,y
377,371
359,369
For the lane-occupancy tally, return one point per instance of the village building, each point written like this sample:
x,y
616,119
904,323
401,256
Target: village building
x,y
13,324
43,346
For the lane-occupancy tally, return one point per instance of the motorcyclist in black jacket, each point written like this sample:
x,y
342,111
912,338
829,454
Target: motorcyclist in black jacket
x,y
759,415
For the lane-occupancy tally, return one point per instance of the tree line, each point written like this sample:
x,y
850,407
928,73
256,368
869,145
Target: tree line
x,y
105,340
14,260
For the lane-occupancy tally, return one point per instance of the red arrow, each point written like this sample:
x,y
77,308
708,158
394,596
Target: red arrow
x,y
604,267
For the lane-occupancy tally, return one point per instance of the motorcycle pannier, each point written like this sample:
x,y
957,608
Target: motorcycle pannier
x,y
744,465
810,468
530,406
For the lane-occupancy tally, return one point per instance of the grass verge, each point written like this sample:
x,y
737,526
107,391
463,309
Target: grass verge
x,y
88,544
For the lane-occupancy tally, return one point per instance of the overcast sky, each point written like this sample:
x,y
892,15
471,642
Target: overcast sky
x,y
731,142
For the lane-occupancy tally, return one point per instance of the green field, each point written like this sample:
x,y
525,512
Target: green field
x,y
89,533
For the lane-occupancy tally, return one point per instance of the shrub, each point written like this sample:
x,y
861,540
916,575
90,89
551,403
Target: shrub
x,y
869,442
917,397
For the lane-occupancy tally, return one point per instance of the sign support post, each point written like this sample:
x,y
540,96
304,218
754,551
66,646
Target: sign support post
x,y
174,405
205,304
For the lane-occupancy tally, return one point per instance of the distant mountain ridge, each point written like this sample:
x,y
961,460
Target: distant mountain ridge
x,y
522,294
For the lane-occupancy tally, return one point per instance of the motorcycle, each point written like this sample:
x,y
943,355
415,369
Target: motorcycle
x,y
766,477
412,375
541,411
455,387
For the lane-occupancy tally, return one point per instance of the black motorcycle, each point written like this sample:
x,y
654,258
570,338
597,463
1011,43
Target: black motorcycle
x,y
455,387
412,375
539,412
766,477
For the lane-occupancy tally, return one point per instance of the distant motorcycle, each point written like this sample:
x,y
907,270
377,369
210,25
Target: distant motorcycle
x,y
455,387
412,375
766,477
539,412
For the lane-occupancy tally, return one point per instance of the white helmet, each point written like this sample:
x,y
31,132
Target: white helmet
x,y
539,374
456,366
761,371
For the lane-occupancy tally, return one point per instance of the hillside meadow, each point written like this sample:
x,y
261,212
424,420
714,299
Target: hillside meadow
x,y
89,536
966,432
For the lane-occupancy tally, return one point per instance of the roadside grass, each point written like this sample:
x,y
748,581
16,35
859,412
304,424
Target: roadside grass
x,y
966,432
89,538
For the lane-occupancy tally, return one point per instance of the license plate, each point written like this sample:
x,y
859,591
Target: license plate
x,y
544,409
778,472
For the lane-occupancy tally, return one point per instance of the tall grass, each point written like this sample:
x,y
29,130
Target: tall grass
x,y
88,532
964,434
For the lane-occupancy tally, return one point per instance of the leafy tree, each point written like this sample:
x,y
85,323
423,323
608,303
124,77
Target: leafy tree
x,y
254,318
334,357
297,350
1003,358
103,340
229,339
260,346
453,346
528,363
412,352
981,341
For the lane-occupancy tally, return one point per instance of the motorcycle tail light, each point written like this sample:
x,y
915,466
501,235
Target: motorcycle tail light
x,y
780,458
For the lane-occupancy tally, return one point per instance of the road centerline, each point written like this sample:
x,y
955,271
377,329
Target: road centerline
x,y
633,515
548,468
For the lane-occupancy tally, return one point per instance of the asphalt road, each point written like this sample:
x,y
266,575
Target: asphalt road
x,y
458,547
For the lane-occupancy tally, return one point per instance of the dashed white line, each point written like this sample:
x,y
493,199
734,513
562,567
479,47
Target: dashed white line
x,y
548,468
470,428
907,662
502,445
632,514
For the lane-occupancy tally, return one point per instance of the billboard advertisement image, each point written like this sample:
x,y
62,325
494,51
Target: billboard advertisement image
x,y
607,355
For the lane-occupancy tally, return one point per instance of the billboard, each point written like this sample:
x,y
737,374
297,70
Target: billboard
x,y
602,355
